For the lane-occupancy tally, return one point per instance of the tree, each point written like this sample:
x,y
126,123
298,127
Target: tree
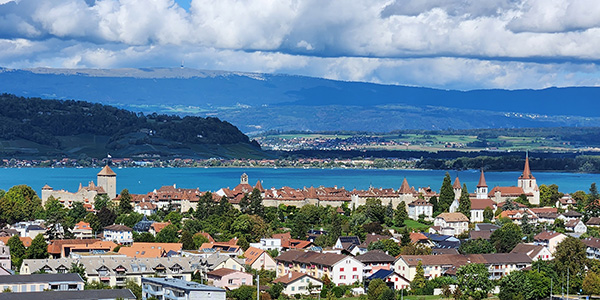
x,y
549,194
244,204
401,214
473,281
376,289
506,237
526,226
515,285
418,282
199,239
78,268
135,288
478,246
106,217
94,221
591,284
77,212
56,214
275,290
20,203
435,203
374,210
187,241
570,258
446,194
256,206
174,217
167,235
38,248
125,202
101,201
464,205
144,237
299,227
244,292
488,214
405,239
17,251
392,248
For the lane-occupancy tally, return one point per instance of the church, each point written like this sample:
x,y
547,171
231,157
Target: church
x,y
526,185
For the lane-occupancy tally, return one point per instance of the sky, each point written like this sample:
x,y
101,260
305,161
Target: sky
x,y
449,44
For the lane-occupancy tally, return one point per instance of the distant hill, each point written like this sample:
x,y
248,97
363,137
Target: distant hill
x,y
259,102
33,127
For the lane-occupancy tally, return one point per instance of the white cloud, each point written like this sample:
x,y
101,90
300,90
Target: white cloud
x,y
442,43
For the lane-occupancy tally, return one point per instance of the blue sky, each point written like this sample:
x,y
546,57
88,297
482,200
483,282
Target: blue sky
x,y
450,44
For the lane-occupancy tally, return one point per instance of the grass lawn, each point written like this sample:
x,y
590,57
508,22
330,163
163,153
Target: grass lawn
x,y
412,224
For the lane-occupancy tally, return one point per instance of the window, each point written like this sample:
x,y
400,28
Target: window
x,y
354,276
230,281
354,269
293,289
341,269
342,276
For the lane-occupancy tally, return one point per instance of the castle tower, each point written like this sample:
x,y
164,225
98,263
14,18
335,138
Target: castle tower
x,y
482,188
457,188
46,192
244,179
107,179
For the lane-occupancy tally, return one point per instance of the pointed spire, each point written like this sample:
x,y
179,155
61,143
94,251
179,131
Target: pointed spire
x,y
259,186
405,188
107,171
456,184
526,171
482,180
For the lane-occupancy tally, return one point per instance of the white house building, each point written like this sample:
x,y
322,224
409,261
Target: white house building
x,y
119,234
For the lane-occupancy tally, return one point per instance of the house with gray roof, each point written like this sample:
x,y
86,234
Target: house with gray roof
x,y
41,282
115,294
171,288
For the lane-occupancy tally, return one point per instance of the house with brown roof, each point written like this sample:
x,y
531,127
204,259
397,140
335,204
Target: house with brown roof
x,y
259,259
151,250
156,227
565,201
98,248
420,207
536,252
145,208
25,240
341,269
56,248
374,261
228,278
592,247
226,248
452,223
549,239
526,185
593,222
119,234
299,283
83,230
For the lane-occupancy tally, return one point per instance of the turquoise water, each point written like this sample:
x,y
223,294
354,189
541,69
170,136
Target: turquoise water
x,y
144,180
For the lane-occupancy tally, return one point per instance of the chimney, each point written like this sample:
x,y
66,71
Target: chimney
x,y
290,275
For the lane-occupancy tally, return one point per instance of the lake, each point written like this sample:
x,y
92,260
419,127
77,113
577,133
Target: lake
x,y
144,180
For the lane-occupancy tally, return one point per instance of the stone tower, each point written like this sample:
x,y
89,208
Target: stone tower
x,y
244,179
107,179
482,188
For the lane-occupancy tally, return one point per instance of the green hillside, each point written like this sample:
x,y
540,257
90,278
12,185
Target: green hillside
x,y
32,127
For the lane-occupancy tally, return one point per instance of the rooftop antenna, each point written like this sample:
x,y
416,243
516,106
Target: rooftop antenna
x,y
182,63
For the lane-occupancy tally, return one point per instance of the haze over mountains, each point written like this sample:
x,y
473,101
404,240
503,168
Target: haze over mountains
x,y
259,102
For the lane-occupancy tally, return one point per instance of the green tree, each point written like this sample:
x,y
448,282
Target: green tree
x,y
515,285
56,215
106,217
78,268
464,205
526,226
376,289
125,202
77,212
389,246
245,204
401,214
549,194
418,282
473,281
244,292
167,235
94,221
299,227
446,194
256,206
405,239
38,248
570,258
478,246
174,217
17,251
488,214
144,237
199,239
506,237
187,241
20,203
374,210
101,201
135,288
436,204
591,284
275,290
206,206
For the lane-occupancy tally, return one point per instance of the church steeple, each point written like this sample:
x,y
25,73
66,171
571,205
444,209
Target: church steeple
x,y
482,188
526,171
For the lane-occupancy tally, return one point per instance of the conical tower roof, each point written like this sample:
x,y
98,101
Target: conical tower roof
x,y
526,171
107,171
405,188
259,186
482,180
456,184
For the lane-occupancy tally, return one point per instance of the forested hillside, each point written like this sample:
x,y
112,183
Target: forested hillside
x,y
69,127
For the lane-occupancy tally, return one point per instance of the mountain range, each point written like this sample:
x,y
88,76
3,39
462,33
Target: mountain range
x,y
260,102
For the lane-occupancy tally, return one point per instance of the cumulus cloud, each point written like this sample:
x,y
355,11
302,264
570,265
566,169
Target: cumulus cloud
x,y
465,43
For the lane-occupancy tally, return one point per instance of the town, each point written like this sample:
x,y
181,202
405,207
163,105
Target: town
x,y
279,243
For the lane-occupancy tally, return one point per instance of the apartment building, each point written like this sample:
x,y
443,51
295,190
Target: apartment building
x,y
341,269
299,283
177,289
41,282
